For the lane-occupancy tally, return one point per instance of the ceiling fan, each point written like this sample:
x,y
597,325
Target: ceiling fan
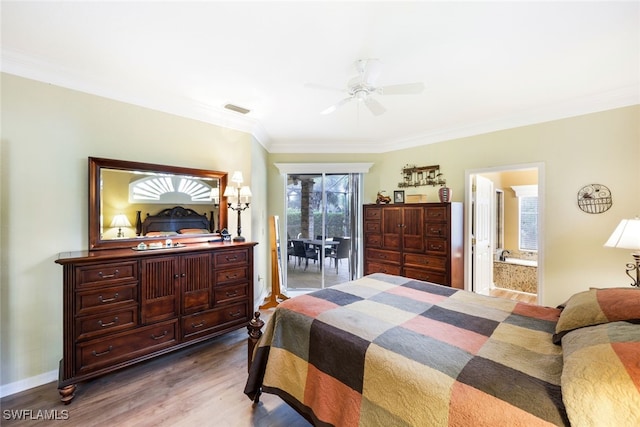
x,y
363,87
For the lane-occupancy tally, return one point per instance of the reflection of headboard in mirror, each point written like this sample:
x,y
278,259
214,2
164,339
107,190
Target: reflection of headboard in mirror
x,y
129,188
176,220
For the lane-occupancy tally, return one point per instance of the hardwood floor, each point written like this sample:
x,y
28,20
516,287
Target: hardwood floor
x,y
199,386
518,296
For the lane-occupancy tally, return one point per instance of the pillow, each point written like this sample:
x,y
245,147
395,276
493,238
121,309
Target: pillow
x,y
161,233
601,376
194,231
597,306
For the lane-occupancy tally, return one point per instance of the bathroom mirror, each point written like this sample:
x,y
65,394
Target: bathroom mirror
x,y
132,202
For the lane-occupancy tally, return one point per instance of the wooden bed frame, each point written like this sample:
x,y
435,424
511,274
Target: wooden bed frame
x,y
174,219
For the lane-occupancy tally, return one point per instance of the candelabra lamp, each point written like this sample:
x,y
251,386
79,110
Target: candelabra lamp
x,y
238,200
627,236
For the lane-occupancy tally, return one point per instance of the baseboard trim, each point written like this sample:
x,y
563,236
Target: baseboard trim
x,y
27,383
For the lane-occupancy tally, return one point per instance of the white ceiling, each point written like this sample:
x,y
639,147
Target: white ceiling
x,y
485,65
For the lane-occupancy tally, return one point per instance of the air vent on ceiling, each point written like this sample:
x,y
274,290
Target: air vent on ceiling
x,y
236,109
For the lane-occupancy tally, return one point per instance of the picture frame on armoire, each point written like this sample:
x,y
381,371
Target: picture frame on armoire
x,y
398,196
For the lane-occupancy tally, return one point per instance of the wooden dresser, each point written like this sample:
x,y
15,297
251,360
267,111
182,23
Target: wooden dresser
x,y
123,306
419,240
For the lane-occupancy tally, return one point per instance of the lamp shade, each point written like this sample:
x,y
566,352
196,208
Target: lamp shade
x,y
215,194
245,192
626,235
120,220
230,192
237,178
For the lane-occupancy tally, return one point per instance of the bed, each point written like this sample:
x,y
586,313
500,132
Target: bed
x,y
386,350
174,221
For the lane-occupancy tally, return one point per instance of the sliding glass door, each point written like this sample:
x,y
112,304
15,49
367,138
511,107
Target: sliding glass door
x,y
321,220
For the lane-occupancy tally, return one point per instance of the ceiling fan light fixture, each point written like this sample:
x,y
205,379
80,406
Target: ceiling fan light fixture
x,y
362,86
361,94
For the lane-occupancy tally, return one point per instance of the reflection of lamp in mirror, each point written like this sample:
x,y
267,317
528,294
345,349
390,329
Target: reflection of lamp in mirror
x,y
238,196
215,198
627,236
120,221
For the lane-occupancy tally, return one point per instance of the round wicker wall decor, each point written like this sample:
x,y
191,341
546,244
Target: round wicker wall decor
x,y
594,198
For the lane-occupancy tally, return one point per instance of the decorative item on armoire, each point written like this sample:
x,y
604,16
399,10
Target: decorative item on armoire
x,y
594,198
382,198
445,194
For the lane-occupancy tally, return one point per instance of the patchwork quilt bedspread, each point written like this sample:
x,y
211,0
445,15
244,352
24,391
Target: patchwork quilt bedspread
x,y
392,351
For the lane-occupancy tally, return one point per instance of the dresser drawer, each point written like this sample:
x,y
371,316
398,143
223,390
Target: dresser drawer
x,y
378,267
224,294
372,226
425,261
104,323
436,213
426,275
372,213
125,346
437,246
230,258
436,229
105,298
231,275
108,273
373,240
208,321
382,256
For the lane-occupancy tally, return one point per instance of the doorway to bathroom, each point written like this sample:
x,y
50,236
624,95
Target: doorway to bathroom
x,y
503,231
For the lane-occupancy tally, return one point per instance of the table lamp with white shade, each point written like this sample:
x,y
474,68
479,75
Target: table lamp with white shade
x,y
627,236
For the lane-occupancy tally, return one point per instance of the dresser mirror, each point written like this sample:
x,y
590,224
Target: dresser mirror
x,y
132,203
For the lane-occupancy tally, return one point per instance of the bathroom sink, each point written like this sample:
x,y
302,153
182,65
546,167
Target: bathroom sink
x,y
518,261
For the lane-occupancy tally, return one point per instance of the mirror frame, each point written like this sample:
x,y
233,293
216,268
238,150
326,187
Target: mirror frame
x,y
96,165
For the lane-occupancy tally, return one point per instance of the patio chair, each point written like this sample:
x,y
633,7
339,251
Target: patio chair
x,y
300,251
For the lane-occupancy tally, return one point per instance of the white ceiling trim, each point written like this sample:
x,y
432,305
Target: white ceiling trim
x,y
291,168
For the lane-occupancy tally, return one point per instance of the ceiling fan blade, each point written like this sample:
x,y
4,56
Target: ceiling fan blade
x,y
369,70
374,106
402,89
336,106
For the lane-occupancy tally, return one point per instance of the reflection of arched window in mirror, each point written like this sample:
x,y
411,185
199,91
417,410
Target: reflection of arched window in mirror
x,y
172,189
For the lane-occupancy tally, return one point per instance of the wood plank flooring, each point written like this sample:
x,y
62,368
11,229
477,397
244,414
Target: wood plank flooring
x,y
518,296
200,386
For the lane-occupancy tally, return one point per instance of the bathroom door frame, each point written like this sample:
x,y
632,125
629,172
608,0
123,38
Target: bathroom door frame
x,y
468,220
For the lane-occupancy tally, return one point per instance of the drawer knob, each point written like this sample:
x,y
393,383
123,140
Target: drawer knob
x,y
236,314
231,258
106,325
198,325
158,337
96,354
107,300
231,294
108,276
231,276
